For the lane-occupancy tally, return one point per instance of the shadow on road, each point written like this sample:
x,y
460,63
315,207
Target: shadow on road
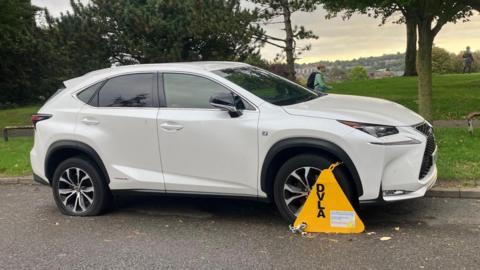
x,y
373,216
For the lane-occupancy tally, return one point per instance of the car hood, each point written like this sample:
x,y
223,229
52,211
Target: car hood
x,y
357,109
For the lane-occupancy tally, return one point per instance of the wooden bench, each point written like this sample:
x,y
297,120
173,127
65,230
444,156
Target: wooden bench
x,y
17,131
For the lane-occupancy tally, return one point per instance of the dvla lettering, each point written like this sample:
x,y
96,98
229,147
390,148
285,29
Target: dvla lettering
x,y
321,195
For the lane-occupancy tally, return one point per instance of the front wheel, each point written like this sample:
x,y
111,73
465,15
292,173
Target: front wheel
x,y
78,188
295,179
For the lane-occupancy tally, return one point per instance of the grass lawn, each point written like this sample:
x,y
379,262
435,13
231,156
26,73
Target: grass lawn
x,y
14,157
17,116
454,95
458,155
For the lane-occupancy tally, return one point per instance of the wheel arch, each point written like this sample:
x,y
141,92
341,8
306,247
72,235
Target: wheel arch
x,y
287,148
64,149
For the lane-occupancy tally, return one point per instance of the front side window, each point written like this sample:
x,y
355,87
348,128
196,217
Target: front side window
x,y
190,91
267,86
134,90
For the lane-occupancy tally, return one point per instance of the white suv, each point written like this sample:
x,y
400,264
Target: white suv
x,y
223,128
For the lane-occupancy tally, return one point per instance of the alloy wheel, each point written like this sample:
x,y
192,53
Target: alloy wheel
x,y
297,187
75,190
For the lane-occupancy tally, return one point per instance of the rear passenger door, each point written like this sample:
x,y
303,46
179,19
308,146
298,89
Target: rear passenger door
x,y
119,121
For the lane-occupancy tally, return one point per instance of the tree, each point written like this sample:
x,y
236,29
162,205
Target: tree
x,y
165,31
80,39
257,61
357,73
25,53
430,16
271,10
443,61
384,10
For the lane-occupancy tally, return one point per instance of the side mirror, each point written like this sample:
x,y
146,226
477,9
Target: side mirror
x,y
226,102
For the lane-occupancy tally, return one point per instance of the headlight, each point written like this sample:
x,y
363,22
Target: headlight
x,y
372,129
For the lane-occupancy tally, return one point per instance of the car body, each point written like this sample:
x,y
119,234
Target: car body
x,y
176,132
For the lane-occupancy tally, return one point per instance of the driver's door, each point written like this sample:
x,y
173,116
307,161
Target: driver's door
x,y
204,149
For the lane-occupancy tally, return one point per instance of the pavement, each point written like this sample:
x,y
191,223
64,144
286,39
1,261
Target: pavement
x,y
158,232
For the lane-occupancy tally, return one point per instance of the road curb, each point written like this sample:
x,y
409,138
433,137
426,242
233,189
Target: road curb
x,y
24,180
454,192
438,192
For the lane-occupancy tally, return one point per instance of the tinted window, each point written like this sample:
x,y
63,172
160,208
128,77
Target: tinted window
x,y
134,90
189,91
86,95
267,86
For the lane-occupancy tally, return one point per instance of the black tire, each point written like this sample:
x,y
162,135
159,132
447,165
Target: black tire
x,y
101,198
314,161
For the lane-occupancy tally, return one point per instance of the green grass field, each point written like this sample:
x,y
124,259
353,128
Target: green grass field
x,y
14,157
454,95
17,116
458,156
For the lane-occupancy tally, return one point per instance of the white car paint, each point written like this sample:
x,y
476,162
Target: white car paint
x,y
357,109
205,151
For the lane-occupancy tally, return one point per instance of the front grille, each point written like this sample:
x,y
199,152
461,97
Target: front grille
x,y
427,161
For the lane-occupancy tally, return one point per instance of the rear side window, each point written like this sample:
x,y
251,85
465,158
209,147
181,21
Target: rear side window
x,y
134,90
87,94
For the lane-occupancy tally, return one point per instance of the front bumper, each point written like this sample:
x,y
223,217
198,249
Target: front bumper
x,y
397,167
427,183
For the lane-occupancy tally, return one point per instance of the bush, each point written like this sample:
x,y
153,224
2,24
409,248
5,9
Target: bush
x,y
357,73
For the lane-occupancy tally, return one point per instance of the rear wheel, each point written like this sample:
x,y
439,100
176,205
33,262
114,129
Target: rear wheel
x,y
295,179
78,188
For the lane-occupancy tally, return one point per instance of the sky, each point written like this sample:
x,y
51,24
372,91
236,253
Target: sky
x,y
360,36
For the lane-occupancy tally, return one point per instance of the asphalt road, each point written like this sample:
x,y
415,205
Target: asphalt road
x,y
156,232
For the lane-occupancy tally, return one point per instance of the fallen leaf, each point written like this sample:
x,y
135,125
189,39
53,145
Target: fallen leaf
x,y
385,238
371,233
397,228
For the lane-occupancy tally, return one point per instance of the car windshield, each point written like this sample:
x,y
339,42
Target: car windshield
x,y
268,86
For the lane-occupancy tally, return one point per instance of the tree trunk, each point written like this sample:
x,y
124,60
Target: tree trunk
x,y
425,45
411,53
289,42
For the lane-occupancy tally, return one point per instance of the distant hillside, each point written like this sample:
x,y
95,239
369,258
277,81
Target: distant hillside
x,y
392,62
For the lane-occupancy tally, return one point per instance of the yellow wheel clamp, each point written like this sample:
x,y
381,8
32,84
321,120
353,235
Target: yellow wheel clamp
x,y
327,208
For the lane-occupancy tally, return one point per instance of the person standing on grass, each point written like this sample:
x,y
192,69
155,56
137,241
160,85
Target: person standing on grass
x,y
316,80
467,61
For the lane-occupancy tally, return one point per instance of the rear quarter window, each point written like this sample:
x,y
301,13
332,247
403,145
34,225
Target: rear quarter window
x,y
87,94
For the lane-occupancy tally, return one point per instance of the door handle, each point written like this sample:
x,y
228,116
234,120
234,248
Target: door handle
x,y
90,121
171,126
